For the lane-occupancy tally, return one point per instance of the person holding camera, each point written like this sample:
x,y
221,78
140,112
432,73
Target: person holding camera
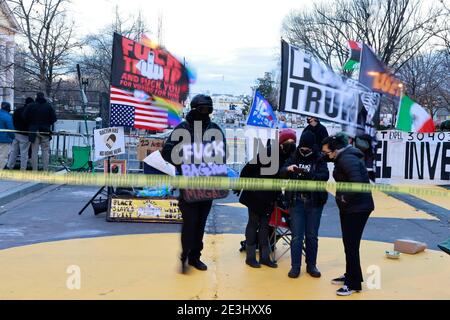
x,y
305,206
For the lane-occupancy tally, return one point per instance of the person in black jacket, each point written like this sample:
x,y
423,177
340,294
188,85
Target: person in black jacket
x,y
21,142
195,213
41,117
354,207
319,130
260,204
306,207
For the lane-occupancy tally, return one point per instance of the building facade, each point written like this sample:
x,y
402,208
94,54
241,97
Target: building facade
x,y
8,30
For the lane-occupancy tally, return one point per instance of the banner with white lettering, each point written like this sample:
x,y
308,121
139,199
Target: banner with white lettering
x,y
311,88
109,142
413,158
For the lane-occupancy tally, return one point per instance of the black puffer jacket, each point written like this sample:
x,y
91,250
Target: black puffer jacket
x,y
350,167
319,131
316,169
260,202
40,116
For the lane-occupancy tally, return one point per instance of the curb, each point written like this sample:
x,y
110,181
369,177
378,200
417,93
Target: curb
x,y
23,190
20,191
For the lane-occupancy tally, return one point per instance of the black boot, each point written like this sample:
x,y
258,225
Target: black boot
x,y
265,257
197,264
313,271
251,257
184,268
294,273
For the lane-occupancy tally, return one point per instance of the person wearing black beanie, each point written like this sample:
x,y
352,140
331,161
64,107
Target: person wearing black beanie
x,y
195,211
305,206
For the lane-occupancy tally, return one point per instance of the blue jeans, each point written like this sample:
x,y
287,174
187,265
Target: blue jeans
x,y
305,223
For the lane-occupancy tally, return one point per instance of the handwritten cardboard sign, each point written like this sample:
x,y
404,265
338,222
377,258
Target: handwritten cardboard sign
x,y
144,210
147,146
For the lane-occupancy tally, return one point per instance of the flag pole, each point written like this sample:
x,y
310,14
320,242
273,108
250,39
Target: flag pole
x,y
400,85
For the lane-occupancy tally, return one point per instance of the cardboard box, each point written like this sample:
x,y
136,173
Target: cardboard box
x,y
409,246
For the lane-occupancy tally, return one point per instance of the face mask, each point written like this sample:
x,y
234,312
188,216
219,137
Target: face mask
x,y
198,116
306,154
289,148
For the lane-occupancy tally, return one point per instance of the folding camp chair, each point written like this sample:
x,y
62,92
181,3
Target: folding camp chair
x,y
81,160
280,222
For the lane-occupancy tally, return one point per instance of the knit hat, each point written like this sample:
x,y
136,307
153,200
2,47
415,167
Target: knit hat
x,y
287,134
307,140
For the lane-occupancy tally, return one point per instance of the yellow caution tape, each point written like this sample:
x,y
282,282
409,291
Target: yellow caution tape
x,y
219,183
43,132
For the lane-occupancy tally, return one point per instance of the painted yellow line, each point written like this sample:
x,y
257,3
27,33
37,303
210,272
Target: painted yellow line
x,y
442,202
389,207
145,267
231,205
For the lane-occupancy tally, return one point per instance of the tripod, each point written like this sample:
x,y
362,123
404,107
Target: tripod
x,y
100,206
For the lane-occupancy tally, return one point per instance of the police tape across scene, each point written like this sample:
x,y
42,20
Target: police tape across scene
x,y
213,183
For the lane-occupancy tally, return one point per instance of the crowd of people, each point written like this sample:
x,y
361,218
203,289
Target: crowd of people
x,y
306,159
25,132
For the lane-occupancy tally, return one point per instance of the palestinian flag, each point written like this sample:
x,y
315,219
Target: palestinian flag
x,y
355,55
412,117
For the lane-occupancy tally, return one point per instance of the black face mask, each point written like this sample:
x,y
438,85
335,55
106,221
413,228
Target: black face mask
x,y
289,148
198,116
306,154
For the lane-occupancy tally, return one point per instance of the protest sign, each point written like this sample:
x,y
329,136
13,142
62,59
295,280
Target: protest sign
x,y
109,142
413,158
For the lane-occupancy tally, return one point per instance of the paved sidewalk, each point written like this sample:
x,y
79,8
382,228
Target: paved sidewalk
x,y
12,190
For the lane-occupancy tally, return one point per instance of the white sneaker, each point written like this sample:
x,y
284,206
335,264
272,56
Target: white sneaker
x,y
345,291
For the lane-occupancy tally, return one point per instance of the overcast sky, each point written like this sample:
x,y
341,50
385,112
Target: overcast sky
x,y
229,42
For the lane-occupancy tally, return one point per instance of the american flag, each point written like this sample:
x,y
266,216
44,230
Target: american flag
x,y
130,111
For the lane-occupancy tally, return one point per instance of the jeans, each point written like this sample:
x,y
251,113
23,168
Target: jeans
x,y
44,143
352,225
194,222
4,151
305,223
21,144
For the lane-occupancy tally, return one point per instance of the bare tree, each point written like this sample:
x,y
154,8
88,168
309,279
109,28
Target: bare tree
x,y
49,40
396,29
98,48
428,77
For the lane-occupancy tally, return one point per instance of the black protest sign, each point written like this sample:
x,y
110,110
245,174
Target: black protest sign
x,y
153,71
202,167
310,88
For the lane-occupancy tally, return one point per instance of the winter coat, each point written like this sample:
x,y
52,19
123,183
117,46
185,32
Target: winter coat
x,y
316,170
41,117
188,125
319,131
260,202
20,123
6,122
349,167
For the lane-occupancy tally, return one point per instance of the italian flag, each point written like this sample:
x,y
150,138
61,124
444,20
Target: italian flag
x,y
355,55
412,117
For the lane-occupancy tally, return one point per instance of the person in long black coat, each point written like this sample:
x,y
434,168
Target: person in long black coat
x,y
260,204
354,207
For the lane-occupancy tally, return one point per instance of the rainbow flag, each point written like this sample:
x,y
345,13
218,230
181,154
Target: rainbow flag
x,y
173,108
